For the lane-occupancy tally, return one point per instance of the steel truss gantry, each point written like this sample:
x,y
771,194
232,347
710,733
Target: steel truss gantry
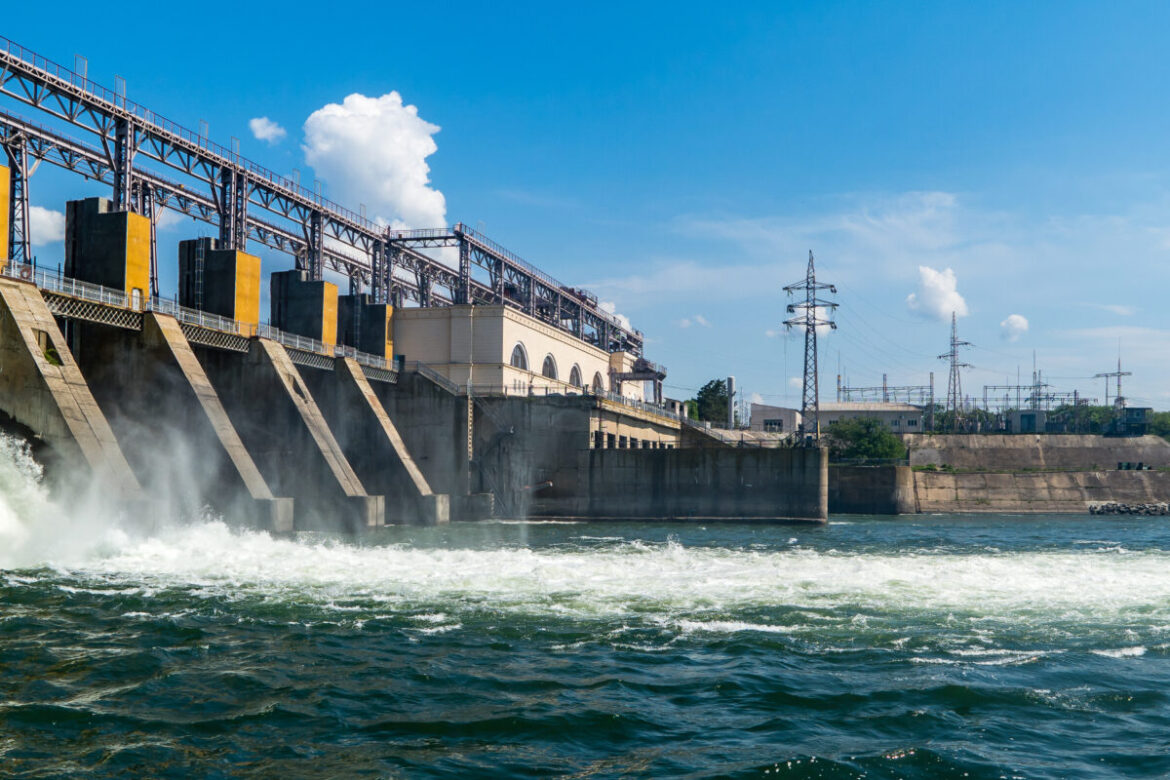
x,y
512,282
226,189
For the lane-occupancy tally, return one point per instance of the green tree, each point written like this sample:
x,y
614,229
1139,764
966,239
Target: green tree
x,y
1160,424
863,437
711,401
1083,418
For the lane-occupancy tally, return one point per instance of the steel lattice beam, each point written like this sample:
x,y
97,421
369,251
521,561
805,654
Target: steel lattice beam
x,y
325,235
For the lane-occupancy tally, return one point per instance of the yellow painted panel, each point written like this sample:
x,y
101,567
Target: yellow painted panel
x,y
137,254
5,251
247,303
329,314
390,333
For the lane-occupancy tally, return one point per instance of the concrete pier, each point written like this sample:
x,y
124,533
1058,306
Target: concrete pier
x,y
288,437
372,444
303,306
220,281
172,424
43,393
107,247
365,326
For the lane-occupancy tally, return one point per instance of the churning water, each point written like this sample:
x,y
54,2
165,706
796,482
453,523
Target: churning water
x,y
914,647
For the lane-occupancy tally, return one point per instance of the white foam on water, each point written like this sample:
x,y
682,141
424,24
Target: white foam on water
x,y
731,627
834,590
1122,652
852,591
35,529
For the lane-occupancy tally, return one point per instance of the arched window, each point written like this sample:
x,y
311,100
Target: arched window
x,y
519,357
549,368
598,385
575,377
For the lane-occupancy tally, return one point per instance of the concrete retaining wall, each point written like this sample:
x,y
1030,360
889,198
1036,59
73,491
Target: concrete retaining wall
x,y
1035,451
1037,492
872,490
698,484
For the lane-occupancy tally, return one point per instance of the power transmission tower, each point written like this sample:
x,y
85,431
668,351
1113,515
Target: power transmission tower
x,y
1119,374
954,384
807,318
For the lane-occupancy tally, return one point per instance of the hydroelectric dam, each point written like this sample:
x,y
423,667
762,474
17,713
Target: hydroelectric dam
x,y
450,380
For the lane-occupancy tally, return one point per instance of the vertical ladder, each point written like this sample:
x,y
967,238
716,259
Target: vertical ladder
x,y
200,259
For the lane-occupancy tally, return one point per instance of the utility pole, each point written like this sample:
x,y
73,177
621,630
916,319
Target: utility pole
x,y
806,317
954,384
1120,400
731,403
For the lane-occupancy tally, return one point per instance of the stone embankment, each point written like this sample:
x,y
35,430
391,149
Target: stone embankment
x,y
1114,508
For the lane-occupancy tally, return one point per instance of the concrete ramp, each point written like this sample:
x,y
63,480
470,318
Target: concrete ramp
x,y
374,446
43,391
289,438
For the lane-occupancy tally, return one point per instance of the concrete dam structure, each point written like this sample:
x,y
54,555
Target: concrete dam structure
x,y
289,433
450,379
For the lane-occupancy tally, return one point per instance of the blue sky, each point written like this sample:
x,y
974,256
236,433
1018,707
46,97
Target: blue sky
x,y
681,160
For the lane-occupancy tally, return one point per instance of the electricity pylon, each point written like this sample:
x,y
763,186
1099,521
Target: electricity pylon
x,y
954,384
807,318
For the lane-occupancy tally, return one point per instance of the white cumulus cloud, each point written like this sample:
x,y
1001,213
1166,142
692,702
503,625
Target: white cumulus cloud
x,y
937,295
373,150
1014,326
611,308
45,226
266,130
796,382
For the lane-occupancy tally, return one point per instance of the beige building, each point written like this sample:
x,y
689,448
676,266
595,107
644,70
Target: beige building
x,y
898,417
507,351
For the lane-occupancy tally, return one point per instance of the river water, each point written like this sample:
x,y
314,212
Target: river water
x,y
915,647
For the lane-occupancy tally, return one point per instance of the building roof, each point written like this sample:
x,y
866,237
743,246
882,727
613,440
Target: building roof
x,y
868,406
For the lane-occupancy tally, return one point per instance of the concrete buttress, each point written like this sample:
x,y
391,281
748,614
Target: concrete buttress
x,y
172,424
289,439
373,444
43,391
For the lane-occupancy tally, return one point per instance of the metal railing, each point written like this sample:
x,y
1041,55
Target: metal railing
x,y
434,376
96,293
544,391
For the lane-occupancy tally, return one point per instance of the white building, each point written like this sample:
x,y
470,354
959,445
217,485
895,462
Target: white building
x,y
507,351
